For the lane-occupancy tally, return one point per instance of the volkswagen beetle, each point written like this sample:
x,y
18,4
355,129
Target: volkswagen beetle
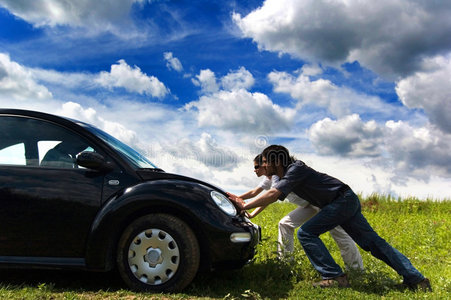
x,y
73,196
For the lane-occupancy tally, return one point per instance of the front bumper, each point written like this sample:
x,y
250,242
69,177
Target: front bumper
x,y
235,253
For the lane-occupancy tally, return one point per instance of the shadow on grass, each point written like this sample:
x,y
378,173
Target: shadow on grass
x,y
376,283
268,279
279,280
61,280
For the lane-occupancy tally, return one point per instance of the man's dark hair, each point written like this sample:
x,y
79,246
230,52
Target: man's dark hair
x,y
258,160
278,155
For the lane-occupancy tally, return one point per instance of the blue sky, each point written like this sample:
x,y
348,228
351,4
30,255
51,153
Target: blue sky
x,y
359,90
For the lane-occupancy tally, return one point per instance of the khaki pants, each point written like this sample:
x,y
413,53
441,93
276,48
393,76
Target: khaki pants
x,y
349,252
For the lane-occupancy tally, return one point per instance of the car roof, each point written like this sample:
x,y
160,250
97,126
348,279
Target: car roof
x,y
35,114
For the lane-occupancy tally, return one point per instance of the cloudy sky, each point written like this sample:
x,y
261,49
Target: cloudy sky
x,y
357,89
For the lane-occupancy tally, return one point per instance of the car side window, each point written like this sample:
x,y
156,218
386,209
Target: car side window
x,y
13,155
36,143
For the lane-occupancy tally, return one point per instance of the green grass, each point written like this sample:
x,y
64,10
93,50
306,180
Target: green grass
x,y
419,229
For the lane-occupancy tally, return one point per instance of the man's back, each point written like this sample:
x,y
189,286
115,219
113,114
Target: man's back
x,y
317,188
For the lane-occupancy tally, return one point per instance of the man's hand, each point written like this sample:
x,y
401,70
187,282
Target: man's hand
x,y
238,201
232,196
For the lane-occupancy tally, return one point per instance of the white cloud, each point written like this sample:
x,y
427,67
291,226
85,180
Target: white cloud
x,y
242,111
405,150
18,83
418,152
311,70
89,115
389,37
430,91
240,79
132,79
206,151
207,81
66,22
227,104
349,136
340,101
101,15
121,75
69,80
234,80
172,63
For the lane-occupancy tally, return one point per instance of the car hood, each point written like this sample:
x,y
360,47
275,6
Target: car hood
x,y
158,174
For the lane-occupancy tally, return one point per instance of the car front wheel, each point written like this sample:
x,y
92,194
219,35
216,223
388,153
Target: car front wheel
x,y
158,252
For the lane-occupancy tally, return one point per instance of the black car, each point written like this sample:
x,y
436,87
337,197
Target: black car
x,y
72,196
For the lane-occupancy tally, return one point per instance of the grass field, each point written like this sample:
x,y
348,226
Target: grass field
x,y
419,229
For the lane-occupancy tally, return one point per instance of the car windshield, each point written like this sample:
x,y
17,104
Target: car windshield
x,y
127,152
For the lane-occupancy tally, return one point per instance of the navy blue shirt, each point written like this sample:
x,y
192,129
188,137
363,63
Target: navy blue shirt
x,y
317,188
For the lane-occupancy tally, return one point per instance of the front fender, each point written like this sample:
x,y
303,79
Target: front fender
x,y
189,201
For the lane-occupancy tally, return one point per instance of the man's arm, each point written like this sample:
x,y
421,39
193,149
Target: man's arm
x,y
264,200
251,193
247,195
256,211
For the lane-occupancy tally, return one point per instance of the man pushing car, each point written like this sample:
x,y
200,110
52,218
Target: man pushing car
x,y
340,206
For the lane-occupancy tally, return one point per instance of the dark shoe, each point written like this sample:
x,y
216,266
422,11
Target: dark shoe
x,y
340,281
424,285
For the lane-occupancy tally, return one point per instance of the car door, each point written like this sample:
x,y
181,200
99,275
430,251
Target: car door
x,y
47,202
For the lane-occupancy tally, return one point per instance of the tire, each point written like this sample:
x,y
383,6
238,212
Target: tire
x,y
158,253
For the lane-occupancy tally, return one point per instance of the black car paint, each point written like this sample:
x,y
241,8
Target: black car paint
x,y
184,199
50,209
103,216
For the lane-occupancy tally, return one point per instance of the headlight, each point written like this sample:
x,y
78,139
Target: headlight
x,y
224,203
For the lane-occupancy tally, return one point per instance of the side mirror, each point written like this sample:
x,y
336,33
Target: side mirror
x,y
93,160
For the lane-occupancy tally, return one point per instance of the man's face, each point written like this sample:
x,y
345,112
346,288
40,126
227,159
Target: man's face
x,y
270,167
259,170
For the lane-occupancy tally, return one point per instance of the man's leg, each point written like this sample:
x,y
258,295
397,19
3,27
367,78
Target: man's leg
x,y
364,235
328,218
287,224
348,250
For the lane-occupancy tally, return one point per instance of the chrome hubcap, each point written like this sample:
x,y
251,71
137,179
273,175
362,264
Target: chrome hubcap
x,y
153,256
